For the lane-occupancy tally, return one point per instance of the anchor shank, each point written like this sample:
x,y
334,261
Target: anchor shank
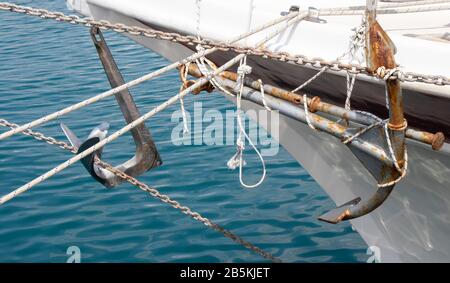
x,y
380,51
146,156
124,98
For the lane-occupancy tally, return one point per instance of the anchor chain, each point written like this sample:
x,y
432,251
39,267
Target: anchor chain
x,y
301,60
39,136
152,191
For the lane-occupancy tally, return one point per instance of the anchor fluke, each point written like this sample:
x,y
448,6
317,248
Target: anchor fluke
x,y
97,134
357,207
339,213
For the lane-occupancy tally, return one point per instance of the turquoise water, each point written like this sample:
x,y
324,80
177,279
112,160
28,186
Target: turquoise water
x,y
45,66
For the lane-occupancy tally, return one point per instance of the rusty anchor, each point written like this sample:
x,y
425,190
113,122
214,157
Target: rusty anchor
x,y
380,52
146,155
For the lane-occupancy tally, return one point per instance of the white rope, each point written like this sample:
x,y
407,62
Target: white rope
x,y
308,119
402,172
350,85
387,74
183,111
205,71
117,134
290,20
349,11
263,96
311,79
390,149
238,158
387,5
410,3
362,131
356,42
368,114
198,10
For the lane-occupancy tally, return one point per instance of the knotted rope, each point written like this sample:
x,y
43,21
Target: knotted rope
x,y
238,159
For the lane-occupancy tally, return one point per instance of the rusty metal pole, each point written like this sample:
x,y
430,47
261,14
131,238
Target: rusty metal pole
x,y
436,140
380,51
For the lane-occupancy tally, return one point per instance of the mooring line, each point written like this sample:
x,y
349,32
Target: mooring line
x,y
151,190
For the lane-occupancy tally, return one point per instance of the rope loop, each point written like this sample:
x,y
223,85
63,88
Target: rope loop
x,y
237,160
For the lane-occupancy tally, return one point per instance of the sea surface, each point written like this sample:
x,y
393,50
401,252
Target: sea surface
x,y
45,66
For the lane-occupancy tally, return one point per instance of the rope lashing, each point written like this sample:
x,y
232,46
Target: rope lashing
x,y
184,85
390,74
307,116
238,159
205,71
402,172
289,22
397,166
391,150
261,87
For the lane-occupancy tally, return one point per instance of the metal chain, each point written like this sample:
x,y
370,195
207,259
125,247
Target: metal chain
x,y
186,210
40,136
152,191
301,60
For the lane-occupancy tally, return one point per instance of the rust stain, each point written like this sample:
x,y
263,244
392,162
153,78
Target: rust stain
x,y
380,49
